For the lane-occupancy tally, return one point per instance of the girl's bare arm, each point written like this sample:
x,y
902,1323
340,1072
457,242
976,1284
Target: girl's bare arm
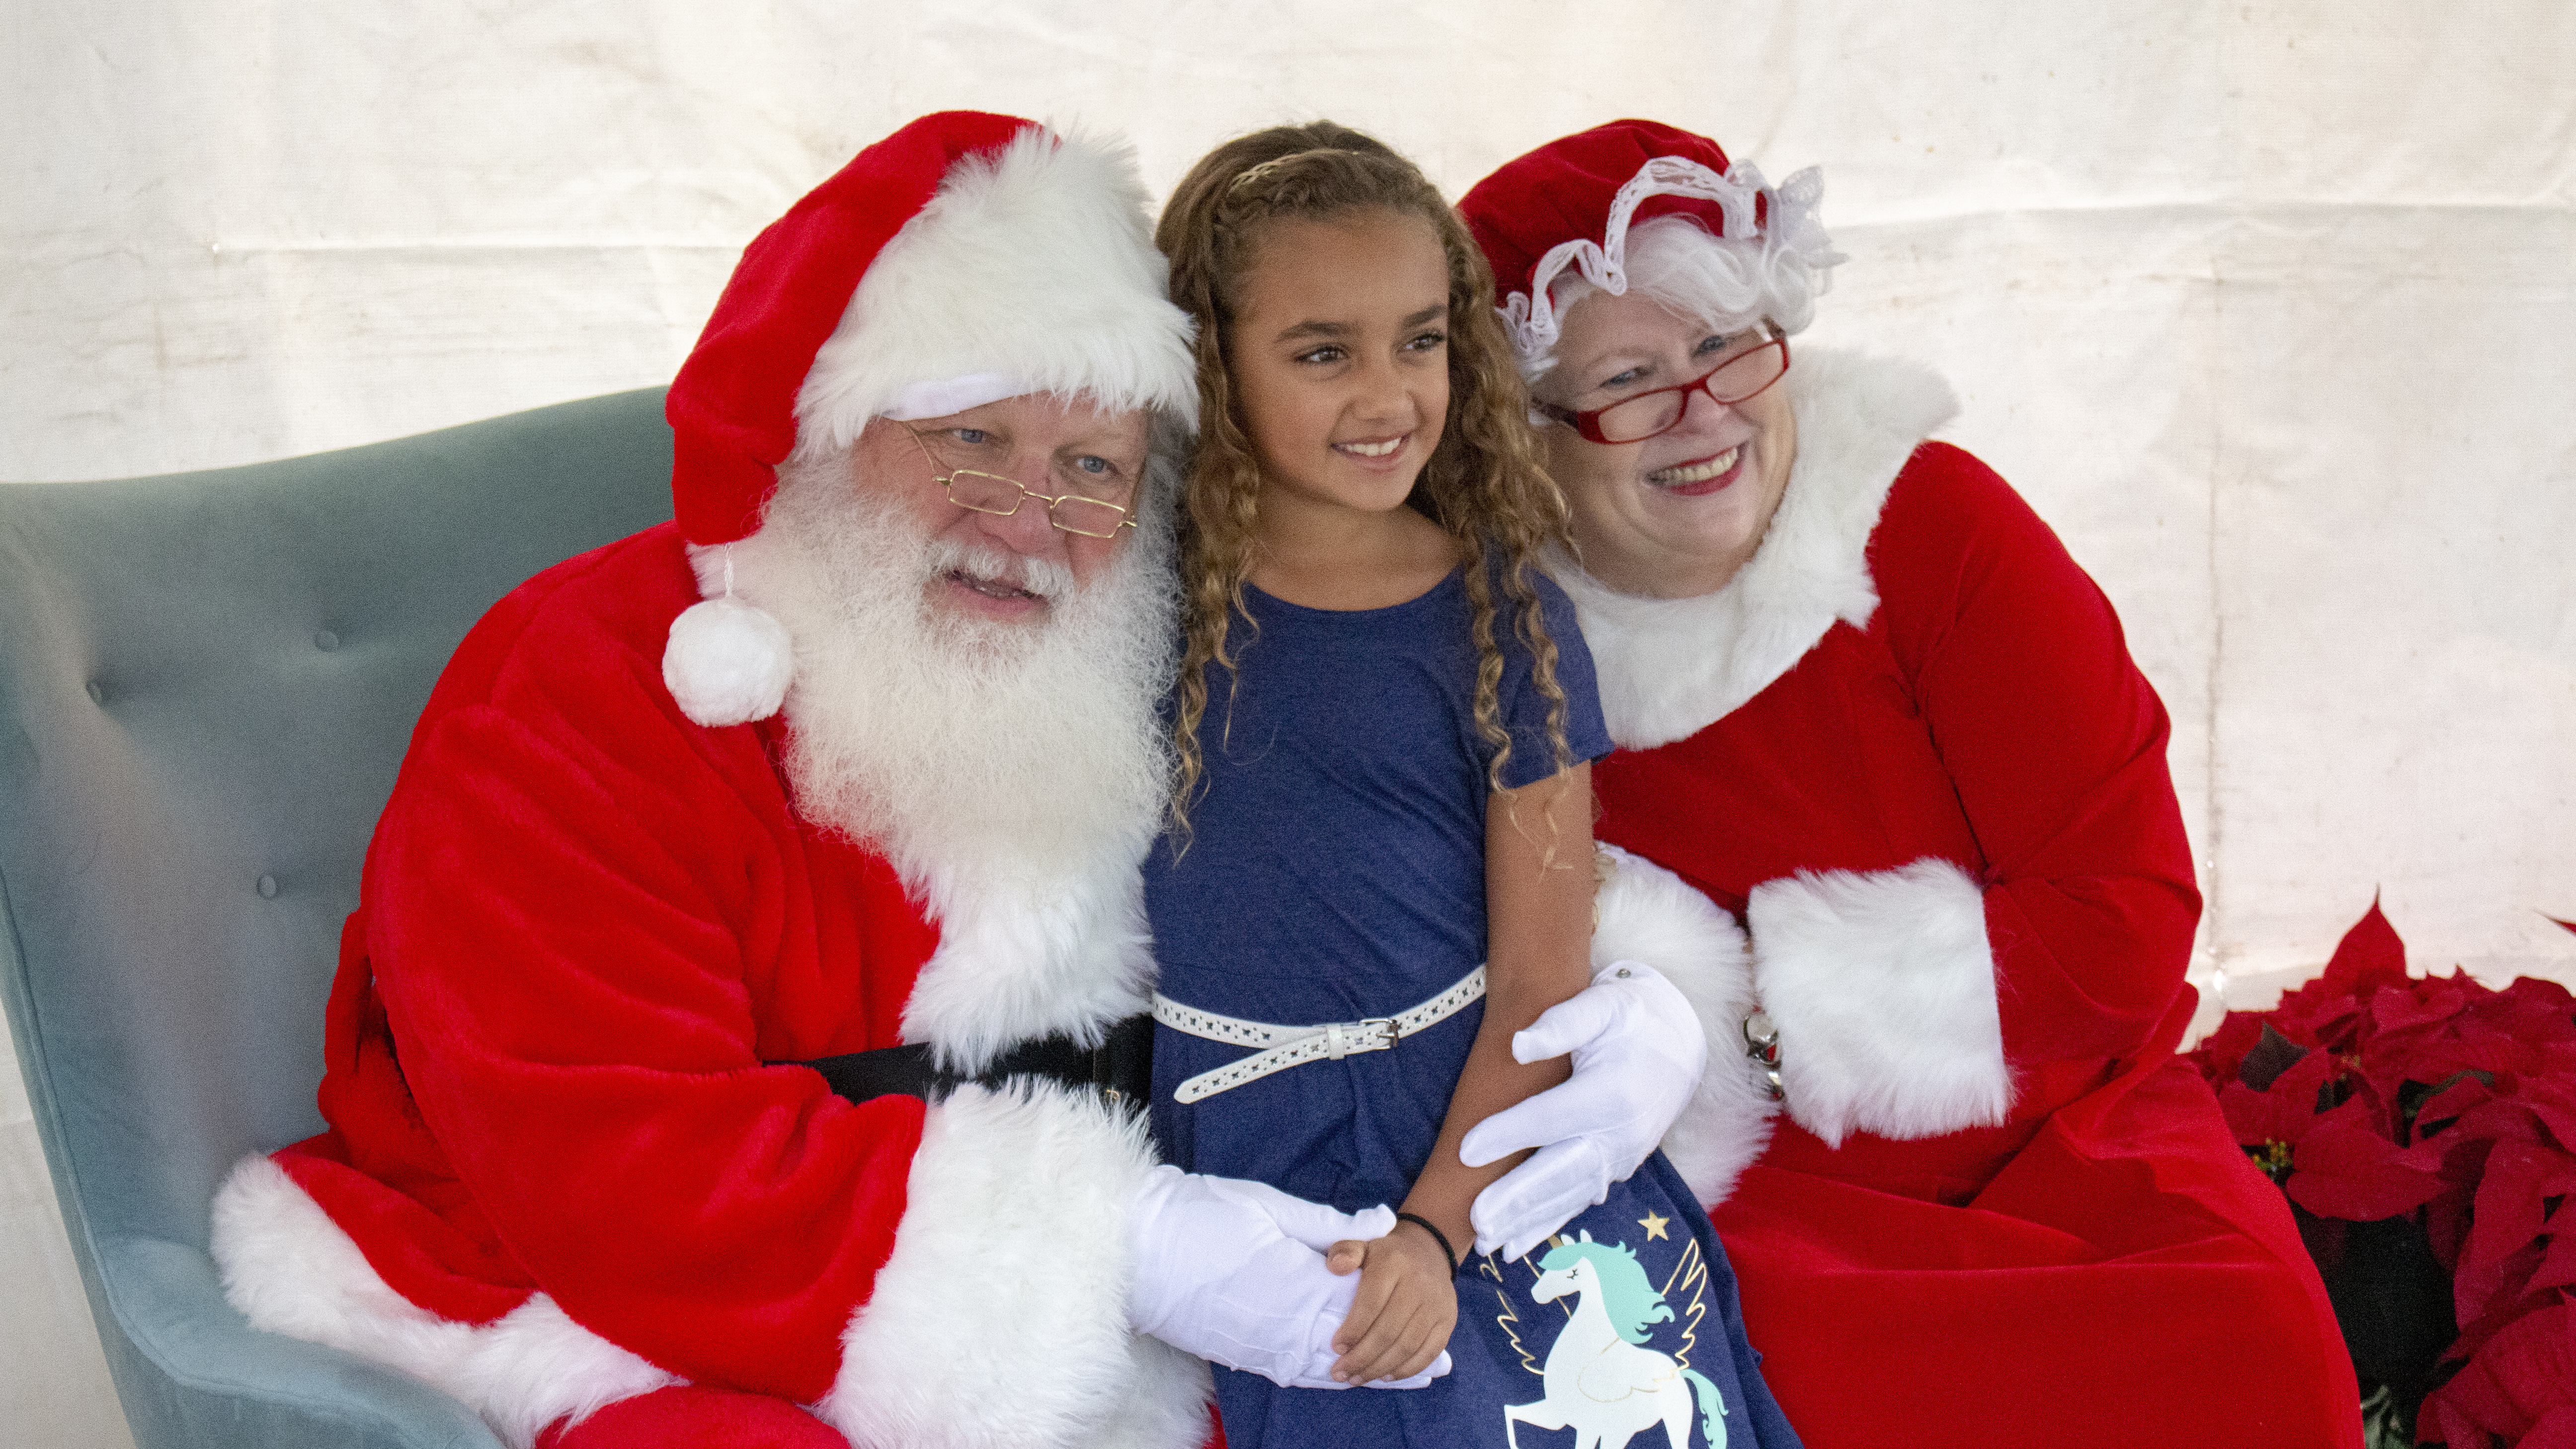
x,y
1538,941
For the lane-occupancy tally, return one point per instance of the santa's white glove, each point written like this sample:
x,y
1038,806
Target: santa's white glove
x,y
1638,1052
1233,1271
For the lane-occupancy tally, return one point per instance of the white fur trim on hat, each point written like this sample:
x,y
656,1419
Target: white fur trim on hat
x,y
1882,986
1033,262
727,661
941,396
1649,914
1532,318
290,1270
1001,1317
1669,668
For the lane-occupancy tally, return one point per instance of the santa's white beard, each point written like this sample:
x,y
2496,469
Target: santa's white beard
x,y
975,753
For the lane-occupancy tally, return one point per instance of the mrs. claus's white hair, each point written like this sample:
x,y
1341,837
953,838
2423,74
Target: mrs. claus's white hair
x,y
1721,282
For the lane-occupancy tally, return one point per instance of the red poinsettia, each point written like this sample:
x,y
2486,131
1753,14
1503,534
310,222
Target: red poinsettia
x,y
2378,1098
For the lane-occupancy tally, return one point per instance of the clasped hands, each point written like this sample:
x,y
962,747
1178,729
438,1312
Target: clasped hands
x,y
1248,1276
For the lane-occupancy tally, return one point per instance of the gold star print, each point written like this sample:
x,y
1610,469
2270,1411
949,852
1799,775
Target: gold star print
x,y
1654,1224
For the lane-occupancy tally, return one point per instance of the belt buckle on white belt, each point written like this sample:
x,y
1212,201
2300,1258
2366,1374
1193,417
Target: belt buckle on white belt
x,y
1338,1041
1278,1048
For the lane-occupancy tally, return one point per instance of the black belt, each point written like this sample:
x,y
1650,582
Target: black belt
x,y
1121,1068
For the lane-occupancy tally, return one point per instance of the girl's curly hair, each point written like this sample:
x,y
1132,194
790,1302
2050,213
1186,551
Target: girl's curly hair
x,y
1484,484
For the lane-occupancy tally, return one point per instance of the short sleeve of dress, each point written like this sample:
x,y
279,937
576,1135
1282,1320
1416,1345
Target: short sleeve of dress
x,y
1525,705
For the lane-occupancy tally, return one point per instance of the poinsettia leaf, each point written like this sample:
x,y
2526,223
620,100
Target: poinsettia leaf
x,y
2543,997
2426,1004
2319,1014
2222,1051
2260,1117
2545,1060
2270,1056
2553,1106
2554,1429
2446,1222
2524,1370
2499,1316
2509,1295
2563,925
2376,1106
2502,1119
2441,1421
2503,1225
2436,1061
2368,957
2440,1105
2558,1263
2343,1169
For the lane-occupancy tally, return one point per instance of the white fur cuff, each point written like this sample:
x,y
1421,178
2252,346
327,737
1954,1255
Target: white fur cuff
x,y
1646,913
1883,988
290,1270
1001,1318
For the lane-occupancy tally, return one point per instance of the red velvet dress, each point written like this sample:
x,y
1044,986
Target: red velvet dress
x,y
1913,756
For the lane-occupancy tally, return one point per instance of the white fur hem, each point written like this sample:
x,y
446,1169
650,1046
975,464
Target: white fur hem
x,y
1001,1318
1646,913
1669,668
1033,261
1883,988
290,1270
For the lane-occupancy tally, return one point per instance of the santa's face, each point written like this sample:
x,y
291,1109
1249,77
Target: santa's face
x,y
1675,515
985,570
952,734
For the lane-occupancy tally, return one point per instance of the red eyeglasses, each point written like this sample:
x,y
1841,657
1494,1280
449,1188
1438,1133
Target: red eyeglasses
x,y
1735,379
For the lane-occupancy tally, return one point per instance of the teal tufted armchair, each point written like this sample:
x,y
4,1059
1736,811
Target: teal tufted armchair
x,y
207,681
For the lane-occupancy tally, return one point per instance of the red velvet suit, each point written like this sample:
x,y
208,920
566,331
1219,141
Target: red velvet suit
x,y
1932,783
585,924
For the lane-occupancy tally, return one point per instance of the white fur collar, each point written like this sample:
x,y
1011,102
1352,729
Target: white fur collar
x,y
1669,668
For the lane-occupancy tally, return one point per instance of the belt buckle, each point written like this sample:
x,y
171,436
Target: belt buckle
x,y
1341,1038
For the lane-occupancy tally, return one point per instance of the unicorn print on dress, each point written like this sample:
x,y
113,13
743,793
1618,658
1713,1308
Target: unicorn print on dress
x,y
1601,1381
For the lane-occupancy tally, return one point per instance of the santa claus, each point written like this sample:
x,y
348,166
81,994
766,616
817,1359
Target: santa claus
x,y
840,779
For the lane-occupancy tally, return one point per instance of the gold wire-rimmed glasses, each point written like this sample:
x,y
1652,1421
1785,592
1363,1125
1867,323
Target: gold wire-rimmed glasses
x,y
980,492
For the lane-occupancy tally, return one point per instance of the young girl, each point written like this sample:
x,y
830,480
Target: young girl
x,y
1384,722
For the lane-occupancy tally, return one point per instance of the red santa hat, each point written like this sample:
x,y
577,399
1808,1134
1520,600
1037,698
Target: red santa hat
x,y
966,258
1571,203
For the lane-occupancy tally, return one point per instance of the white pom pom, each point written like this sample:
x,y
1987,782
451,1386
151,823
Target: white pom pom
x,y
727,662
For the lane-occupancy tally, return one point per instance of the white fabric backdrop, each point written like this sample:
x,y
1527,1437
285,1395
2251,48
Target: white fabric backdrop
x,y
2267,307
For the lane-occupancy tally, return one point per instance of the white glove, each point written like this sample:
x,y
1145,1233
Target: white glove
x,y
1233,1271
1638,1053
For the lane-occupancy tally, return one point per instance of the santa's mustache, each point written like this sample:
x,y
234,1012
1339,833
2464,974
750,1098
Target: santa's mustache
x,y
989,570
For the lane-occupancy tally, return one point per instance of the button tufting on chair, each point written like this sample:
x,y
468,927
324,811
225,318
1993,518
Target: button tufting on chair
x,y
167,1024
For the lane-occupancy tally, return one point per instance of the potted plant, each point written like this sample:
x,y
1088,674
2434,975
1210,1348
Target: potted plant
x,y
2424,1130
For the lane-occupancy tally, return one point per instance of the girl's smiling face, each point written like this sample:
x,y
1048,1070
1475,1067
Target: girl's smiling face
x,y
1339,354
1675,515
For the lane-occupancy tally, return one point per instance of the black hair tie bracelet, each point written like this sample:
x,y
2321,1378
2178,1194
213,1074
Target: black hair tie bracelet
x,y
1437,1236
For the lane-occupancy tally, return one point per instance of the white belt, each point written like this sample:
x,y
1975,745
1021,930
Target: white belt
x,y
1291,1046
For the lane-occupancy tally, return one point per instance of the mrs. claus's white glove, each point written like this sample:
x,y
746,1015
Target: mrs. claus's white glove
x,y
1233,1271
1638,1052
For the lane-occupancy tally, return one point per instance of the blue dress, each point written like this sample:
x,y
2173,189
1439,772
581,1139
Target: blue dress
x,y
1335,871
